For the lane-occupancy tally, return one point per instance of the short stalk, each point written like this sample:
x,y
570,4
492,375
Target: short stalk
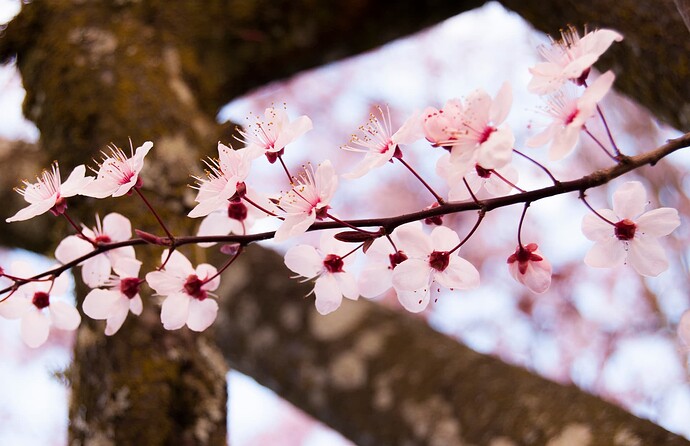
x,y
155,214
421,180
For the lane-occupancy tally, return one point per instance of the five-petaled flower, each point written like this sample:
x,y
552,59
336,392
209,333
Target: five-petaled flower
x,y
118,174
529,267
569,115
225,179
569,59
329,264
627,234
96,270
308,200
379,142
271,134
431,258
187,290
37,305
121,296
48,193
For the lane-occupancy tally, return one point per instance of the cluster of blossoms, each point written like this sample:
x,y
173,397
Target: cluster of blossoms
x,y
415,256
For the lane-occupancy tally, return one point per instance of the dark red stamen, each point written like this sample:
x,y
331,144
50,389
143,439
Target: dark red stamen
x,y
130,287
193,287
396,259
333,263
625,230
41,299
237,210
439,260
483,173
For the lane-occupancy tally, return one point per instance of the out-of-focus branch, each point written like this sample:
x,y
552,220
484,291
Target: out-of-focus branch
x,y
381,377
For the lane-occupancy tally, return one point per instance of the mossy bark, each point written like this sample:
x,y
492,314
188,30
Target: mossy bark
x,y
100,72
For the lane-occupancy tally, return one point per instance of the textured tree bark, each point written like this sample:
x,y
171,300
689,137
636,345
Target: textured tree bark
x,y
100,71
381,377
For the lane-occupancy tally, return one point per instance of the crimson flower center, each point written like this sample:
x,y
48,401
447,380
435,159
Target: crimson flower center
x,y
193,287
103,238
41,299
624,230
486,133
571,117
483,173
130,287
333,263
439,260
237,210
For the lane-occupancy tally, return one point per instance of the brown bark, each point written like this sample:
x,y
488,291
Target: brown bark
x,y
97,72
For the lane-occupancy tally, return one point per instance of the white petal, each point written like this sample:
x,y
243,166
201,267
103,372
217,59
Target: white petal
x,y
304,260
215,223
444,239
347,284
414,301
658,222
117,227
178,264
117,318
564,141
294,225
71,248
96,270
34,328
205,271
684,328
292,131
375,280
76,183
647,256
14,307
126,267
33,210
412,274
596,229
64,315
413,241
606,254
629,200
98,304
328,294
175,310
459,274
202,313
538,276
136,306
164,283
501,104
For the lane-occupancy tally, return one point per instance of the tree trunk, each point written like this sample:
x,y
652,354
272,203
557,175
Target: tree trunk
x,y
97,72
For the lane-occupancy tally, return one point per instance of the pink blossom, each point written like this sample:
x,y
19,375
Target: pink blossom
x,y
529,267
118,174
36,304
48,193
684,329
377,276
187,292
482,134
629,235
307,200
236,216
569,115
96,270
271,134
569,59
121,297
441,126
484,182
226,177
379,142
431,259
329,266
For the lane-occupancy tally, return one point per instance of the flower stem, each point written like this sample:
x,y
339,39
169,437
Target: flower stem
x,y
584,200
469,189
480,217
522,219
155,214
351,226
505,180
225,266
261,208
78,229
538,164
421,180
596,140
287,172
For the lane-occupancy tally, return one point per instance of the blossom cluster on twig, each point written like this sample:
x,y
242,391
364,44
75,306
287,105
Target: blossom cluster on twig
x,y
415,254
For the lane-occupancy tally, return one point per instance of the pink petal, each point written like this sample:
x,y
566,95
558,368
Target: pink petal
x,y
328,294
375,280
215,223
126,267
629,200
412,274
292,131
294,225
606,254
545,136
14,307
658,222
564,142
538,276
136,306
444,239
575,68
497,151
500,107
459,274
410,131
647,256
117,227
413,241
164,283
76,183
71,248
347,284
684,328
596,229
98,304
33,210
175,310
96,270
595,92
117,317
597,42
178,264
64,315
202,313
414,301
34,328
304,260
326,181
546,78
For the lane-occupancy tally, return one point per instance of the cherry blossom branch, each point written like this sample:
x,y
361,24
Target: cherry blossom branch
x,y
595,179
